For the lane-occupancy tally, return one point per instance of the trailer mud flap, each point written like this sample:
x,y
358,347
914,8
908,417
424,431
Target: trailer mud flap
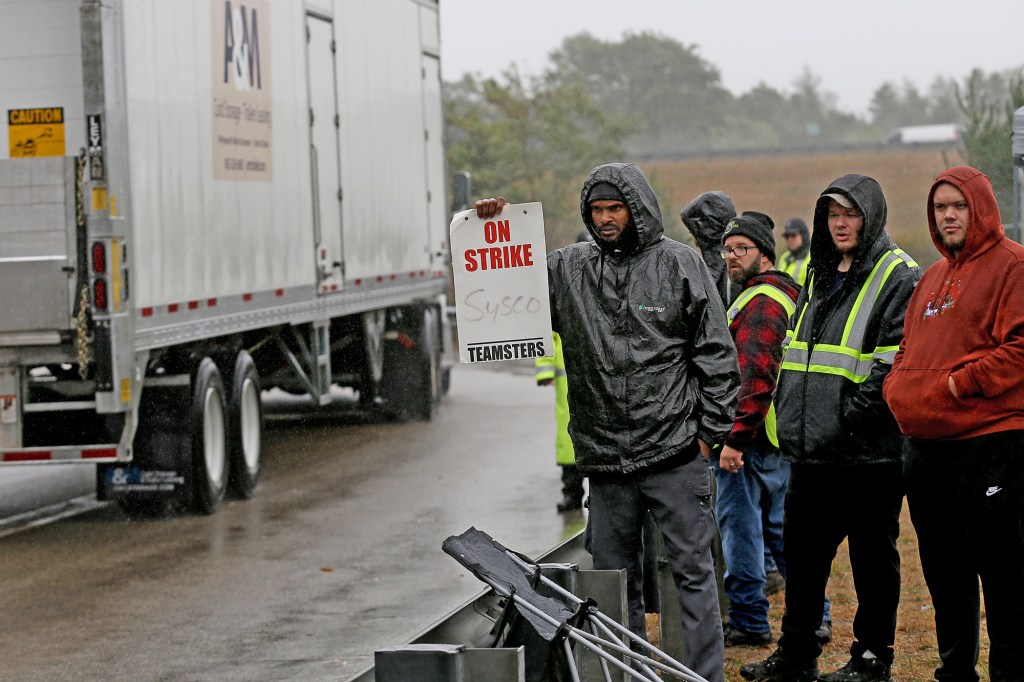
x,y
160,467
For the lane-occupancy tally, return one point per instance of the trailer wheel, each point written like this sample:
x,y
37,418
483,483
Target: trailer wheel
x,y
432,350
426,380
411,381
209,436
245,415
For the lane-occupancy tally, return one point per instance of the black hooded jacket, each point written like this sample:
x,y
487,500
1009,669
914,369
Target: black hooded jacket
x,y
651,362
706,217
826,417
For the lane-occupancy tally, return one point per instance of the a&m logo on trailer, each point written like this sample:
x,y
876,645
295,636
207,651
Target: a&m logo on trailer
x,y
501,284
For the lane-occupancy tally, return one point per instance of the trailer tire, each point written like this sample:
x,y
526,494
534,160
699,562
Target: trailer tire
x,y
209,438
434,378
427,373
245,416
410,385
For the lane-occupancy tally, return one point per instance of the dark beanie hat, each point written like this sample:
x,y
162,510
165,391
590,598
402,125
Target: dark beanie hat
x,y
605,191
757,227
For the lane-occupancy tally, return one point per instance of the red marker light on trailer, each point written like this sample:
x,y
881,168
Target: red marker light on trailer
x,y
99,294
99,258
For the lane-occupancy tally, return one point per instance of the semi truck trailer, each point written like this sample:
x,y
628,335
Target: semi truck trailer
x,y
201,200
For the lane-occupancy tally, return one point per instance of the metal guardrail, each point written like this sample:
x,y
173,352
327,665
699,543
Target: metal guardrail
x,y
474,618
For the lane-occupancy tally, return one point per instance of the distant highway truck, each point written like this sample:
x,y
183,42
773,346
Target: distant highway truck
x,y
938,133
203,199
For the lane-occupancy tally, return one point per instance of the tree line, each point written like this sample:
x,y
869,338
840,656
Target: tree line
x,y
650,96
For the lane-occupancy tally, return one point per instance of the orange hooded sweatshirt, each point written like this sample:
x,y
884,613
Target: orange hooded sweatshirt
x,y
965,320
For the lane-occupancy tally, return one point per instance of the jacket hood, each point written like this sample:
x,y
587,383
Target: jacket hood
x,y
866,195
986,227
643,205
706,216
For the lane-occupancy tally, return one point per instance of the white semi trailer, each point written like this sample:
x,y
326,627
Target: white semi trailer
x,y
203,199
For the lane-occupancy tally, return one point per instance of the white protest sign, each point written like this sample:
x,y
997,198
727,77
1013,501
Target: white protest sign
x,y
501,284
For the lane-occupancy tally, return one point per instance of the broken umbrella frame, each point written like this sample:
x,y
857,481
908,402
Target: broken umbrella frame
x,y
513,577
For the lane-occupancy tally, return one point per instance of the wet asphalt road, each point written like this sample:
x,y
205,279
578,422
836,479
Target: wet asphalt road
x,y
338,553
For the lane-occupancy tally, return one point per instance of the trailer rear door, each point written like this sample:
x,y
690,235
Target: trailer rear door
x,y
323,134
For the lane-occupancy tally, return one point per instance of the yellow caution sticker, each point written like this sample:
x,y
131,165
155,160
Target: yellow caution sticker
x,y
35,132
126,390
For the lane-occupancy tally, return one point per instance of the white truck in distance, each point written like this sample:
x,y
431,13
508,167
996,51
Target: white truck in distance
x,y
202,199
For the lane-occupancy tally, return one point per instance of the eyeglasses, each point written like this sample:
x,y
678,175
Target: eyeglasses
x,y
738,251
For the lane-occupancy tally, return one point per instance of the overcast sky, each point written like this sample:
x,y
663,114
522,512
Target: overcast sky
x,y
852,46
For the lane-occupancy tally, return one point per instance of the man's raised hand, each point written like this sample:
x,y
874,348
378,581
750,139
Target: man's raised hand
x,y
488,208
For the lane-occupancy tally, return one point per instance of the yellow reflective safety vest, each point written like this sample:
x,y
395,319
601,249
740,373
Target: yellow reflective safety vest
x,y
554,368
848,358
780,297
795,267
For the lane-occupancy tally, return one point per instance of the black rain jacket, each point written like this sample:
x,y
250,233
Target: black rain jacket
x,y
651,364
827,418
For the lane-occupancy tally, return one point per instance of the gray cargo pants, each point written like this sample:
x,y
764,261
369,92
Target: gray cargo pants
x,y
680,501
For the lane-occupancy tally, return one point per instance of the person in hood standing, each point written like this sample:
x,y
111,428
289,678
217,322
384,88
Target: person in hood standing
x,y
751,474
797,257
957,390
838,434
653,380
706,217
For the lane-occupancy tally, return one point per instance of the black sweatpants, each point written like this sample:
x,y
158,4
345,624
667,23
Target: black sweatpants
x,y
826,504
966,498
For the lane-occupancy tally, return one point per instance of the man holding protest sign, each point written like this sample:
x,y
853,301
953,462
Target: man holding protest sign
x,y
653,384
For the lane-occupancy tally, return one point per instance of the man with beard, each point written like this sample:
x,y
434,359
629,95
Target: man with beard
x,y
839,436
653,378
957,390
751,474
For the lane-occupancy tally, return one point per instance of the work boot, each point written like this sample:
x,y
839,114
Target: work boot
x,y
774,583
781,667
824,632
864,668
735,636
